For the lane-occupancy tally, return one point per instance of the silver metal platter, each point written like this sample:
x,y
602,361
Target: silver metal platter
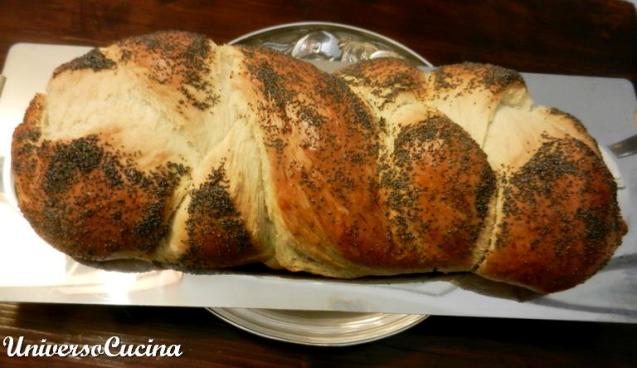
x,y
329,41
328,46
318,328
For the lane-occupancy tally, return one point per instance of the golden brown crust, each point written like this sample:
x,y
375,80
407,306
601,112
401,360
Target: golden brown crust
x,y
472,94
171,149
436,186
560,221
467,77
216,234
322,147
87,199
179,61
176,59
386,79
389,78
94,60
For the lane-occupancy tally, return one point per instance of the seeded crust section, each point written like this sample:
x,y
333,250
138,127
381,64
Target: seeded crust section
x,y
170,149
553,219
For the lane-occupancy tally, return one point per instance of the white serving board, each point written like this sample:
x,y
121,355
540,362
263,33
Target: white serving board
x,y
32,271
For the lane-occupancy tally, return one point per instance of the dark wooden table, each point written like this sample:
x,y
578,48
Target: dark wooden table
x,y
573,37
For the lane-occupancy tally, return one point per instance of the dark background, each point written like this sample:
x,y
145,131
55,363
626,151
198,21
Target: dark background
x,y
572,37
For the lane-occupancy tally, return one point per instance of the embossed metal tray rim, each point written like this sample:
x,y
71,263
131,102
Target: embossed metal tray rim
x,y
310,26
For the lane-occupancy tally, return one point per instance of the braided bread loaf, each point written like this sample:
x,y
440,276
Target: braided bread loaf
x,y
171,149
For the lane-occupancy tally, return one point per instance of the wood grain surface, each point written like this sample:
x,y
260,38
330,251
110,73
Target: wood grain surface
x,y
573,37
207,341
